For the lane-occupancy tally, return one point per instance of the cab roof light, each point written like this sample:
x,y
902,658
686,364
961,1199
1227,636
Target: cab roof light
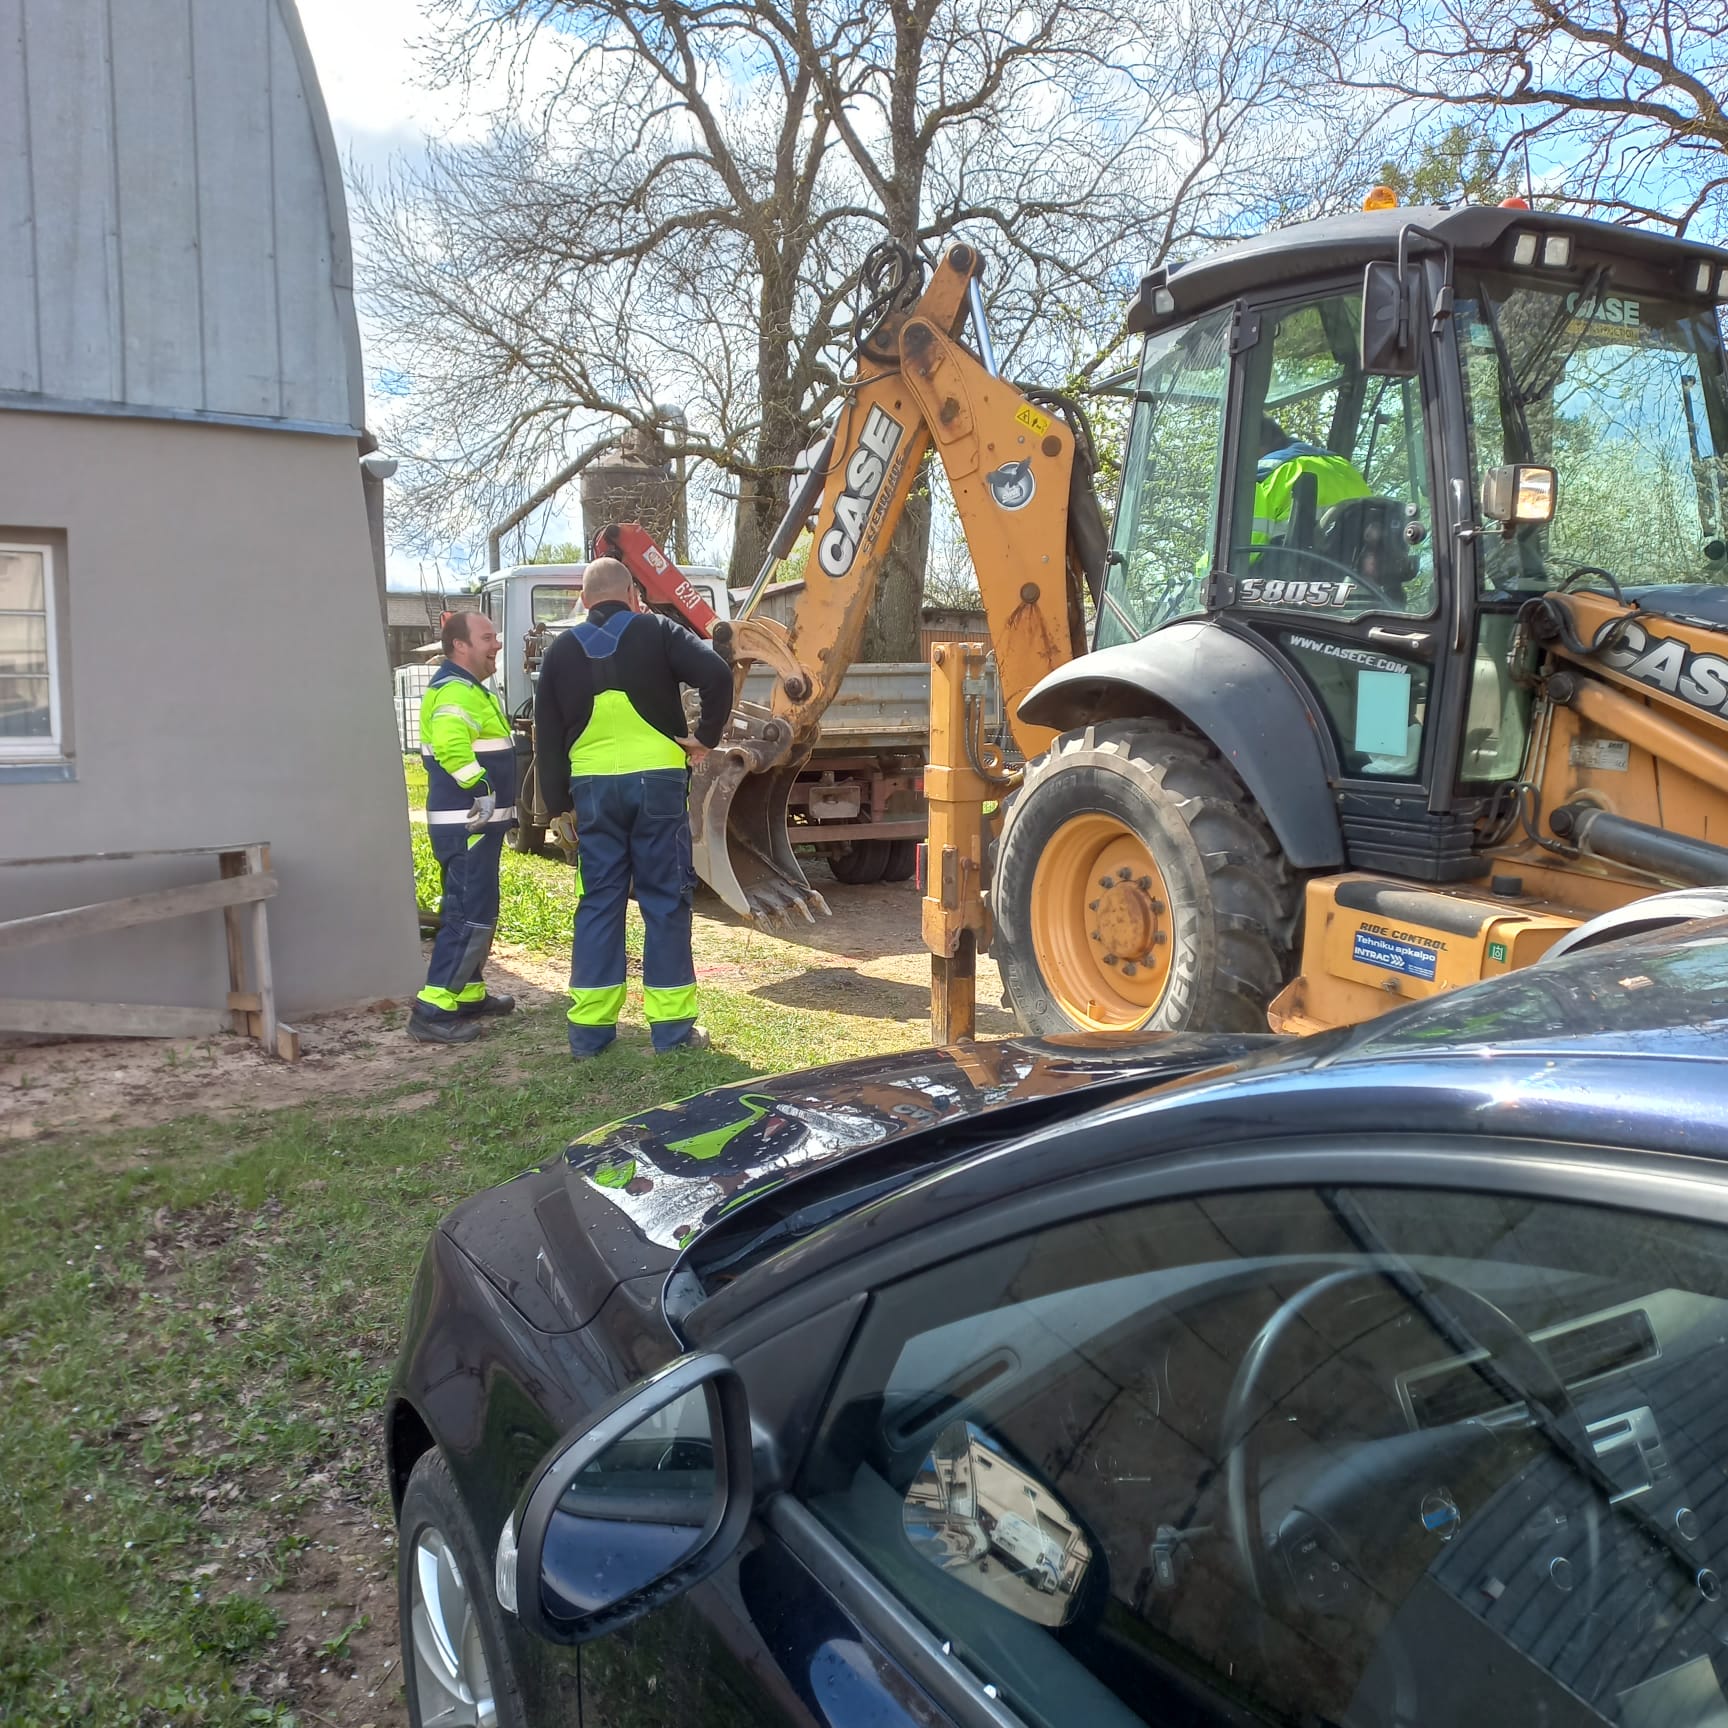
x,y
1556,251
1722,283
1524,250
1163,302
1381,198
1702,277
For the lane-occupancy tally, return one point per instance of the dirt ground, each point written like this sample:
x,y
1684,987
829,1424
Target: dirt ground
x,y
867,959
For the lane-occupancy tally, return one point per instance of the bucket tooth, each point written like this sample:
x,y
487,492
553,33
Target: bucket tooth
x,y
739,795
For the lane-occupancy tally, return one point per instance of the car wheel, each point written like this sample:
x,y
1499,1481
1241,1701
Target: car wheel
x,y
455,1664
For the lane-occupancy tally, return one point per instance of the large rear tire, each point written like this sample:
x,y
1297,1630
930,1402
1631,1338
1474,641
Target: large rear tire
x,y
1138,886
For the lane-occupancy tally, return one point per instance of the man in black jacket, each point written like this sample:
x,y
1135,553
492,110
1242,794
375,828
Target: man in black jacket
x,y
611,744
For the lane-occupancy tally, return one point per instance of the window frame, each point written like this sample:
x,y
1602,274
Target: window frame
x,y
26,758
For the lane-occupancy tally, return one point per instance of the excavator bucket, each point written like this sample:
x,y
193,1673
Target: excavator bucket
x,y
739,794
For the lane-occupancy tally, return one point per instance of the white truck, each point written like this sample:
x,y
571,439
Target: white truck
x,y
860,801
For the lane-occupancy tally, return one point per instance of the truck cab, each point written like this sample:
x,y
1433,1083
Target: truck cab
x,y
530,599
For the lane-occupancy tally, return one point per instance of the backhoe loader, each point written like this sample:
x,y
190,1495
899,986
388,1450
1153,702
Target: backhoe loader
x,y
1410,640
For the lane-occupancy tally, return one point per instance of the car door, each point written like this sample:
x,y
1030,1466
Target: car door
x,y
1386,1435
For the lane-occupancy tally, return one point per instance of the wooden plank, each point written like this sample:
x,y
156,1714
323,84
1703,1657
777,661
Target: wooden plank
x,y
288,1043
234,864
108,1019
258,861
107,915
118,857
245,1002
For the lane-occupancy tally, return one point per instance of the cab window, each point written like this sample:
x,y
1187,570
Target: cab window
x,y
1332,511
1167,519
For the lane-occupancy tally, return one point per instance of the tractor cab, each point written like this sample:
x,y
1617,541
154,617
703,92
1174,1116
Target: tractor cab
x,y
1378,519
1359,449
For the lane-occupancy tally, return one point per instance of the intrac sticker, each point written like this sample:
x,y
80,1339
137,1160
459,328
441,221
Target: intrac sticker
x,y
1393,954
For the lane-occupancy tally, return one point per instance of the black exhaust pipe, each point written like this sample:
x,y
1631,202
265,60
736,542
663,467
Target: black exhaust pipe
x,y
1694,862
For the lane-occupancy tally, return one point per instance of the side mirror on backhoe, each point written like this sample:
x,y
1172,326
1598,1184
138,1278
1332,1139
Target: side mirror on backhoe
x,y
1389,324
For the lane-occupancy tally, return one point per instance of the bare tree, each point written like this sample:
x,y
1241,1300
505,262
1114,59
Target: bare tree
x,y
1616,105
680,204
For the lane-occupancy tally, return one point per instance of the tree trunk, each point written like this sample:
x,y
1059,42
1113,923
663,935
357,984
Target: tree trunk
x,y
762,496
892,632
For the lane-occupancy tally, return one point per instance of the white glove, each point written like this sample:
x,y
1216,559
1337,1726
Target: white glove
x,y
481,813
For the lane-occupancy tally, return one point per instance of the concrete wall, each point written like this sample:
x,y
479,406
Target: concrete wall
x,y
224,686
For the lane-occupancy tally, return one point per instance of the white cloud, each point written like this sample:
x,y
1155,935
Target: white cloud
x,y
367,55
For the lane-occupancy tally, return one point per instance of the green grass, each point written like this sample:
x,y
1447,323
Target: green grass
x,y
196,1335
197,1328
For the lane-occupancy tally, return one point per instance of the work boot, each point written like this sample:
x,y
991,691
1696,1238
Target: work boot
x,y
451,1029
695,1039
487,1007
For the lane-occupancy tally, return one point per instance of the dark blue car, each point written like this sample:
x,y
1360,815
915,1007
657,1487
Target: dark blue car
x,y
1378,1379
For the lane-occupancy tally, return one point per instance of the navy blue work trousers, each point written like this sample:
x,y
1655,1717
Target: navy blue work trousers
x,y
632,830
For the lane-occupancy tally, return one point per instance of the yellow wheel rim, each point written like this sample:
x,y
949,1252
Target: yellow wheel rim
x,y
1101,926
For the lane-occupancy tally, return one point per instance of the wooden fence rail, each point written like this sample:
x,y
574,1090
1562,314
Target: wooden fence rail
x,y
244,886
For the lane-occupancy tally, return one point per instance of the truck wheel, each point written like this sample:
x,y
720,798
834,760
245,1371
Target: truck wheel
x,y
902,861
1137,885
526,837
862,861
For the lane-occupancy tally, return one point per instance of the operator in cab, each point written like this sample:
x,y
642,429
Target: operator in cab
x,y
614,751
1283,463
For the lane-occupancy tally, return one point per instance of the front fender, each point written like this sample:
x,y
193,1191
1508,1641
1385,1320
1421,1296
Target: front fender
x,y
1235,693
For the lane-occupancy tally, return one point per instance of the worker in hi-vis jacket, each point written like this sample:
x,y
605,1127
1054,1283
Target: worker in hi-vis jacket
x,y
470,801
612,745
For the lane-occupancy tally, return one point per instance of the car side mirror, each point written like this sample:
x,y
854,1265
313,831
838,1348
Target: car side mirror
x,y
1389,322
977,1515
648,1499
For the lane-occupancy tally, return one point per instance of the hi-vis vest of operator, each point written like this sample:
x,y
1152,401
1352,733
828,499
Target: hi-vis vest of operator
x,y
1667,664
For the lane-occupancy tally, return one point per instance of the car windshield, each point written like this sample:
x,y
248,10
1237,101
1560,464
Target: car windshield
x,y
1624,397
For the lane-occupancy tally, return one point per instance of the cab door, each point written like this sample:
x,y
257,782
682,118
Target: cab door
x,y
1330,549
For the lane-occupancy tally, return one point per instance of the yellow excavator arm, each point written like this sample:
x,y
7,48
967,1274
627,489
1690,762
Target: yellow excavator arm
x,y
1011,468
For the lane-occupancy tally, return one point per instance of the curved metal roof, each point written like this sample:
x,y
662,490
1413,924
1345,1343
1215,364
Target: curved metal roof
x,y
173,232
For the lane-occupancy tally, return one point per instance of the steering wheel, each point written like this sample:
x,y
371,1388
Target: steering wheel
x,y
1360,527
1473,1322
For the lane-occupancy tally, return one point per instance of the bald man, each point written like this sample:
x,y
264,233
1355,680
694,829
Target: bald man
x,y
611,744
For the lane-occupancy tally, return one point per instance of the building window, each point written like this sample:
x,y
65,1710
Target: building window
x,y
30,676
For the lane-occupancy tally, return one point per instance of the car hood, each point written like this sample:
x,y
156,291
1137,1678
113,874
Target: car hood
x,y
626,1199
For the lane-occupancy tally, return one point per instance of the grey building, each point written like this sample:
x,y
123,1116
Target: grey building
x,y
191,581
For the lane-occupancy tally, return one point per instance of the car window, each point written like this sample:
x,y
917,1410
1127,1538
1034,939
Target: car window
x,y
1365,1456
